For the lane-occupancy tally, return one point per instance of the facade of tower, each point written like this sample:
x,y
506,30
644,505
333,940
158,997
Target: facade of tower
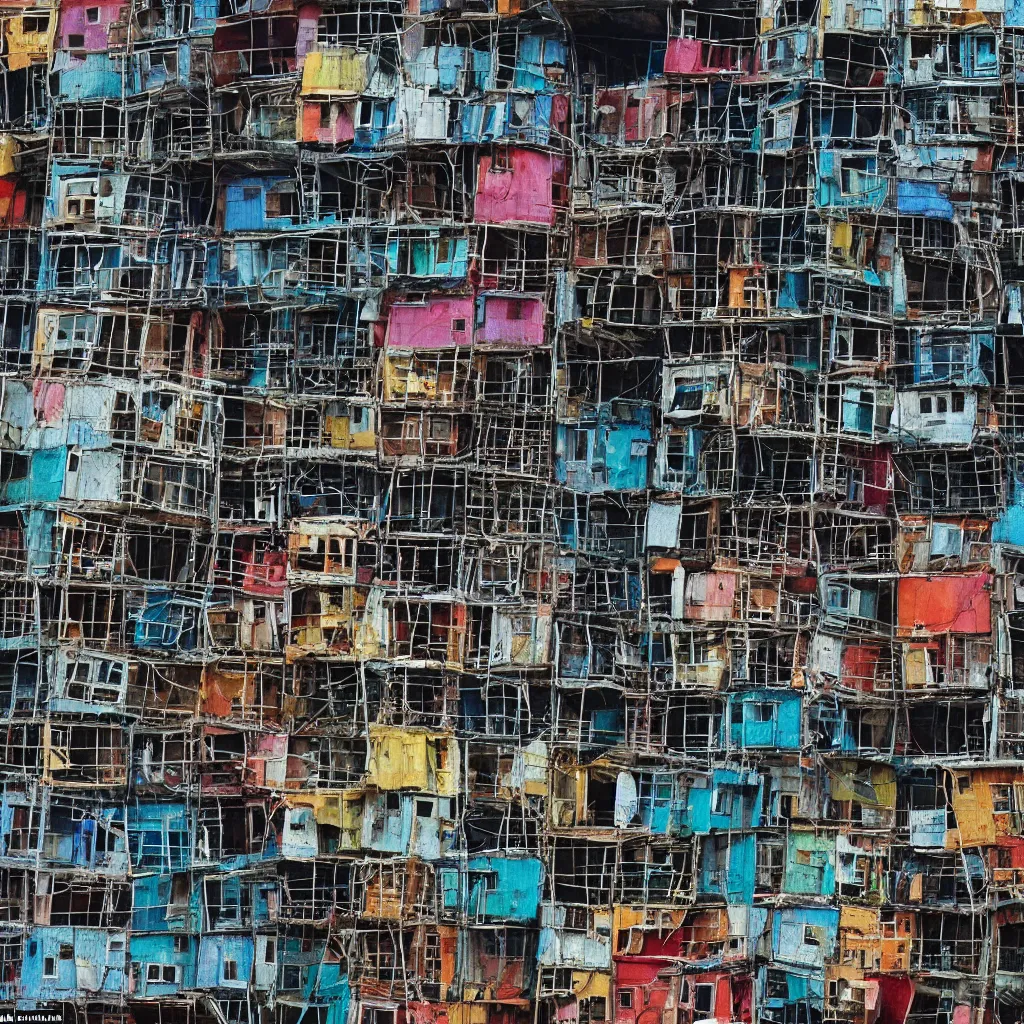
x,y
512,512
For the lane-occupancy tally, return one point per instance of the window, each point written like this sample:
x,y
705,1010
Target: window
x,y
92,15
49,967
811,936
925,402
270,953
163,974
392,802
940,404
722,800
283,203
947,358
508,945
958,400
626,999
231,970
424,809
487,880
180,943
459,325
33,24
703,998
581,444
1002,799
855,485
760,712
76,41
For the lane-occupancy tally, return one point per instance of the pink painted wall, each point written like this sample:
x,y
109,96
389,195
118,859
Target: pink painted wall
x,y
719,594
313,131
522,193
74,22
305,39
499,328
641,123
696,57
47,400
429,325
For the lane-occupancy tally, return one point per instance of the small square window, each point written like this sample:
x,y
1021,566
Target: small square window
x,y
940,404
458,325
49,967
926,404
958,401
231,970
424,809
92,15
1002,799
722,801
626,999
283,203
180,943
76,41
